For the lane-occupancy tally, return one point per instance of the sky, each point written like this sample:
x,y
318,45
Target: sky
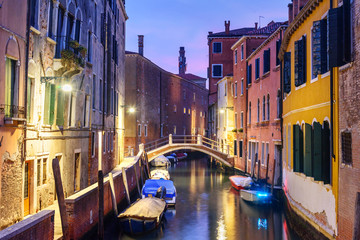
x,y
169,24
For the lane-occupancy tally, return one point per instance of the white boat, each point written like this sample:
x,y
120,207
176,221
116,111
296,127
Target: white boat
x,y
160,161
172,158
160,174
256,196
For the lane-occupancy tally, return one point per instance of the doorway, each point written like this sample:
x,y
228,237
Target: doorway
x,y
278,166
77,172
27,180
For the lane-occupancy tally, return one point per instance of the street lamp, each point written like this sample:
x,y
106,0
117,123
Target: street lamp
x,y
67,88
222,111
131,110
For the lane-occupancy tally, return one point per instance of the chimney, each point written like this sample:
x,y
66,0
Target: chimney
x,y
295,8
182,61
256,25
227,27
291,14
141,44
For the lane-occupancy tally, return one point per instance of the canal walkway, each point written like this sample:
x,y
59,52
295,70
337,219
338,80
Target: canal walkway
x,y
58,233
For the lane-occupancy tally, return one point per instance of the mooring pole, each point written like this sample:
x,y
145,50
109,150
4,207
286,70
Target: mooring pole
x,y
113,195
356,234
101,205
61,198
126,185
267,166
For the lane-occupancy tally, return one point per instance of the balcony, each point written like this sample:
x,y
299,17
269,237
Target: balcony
x,y
71,53
12,113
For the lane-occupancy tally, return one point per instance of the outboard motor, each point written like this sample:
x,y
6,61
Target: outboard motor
x,y
161,192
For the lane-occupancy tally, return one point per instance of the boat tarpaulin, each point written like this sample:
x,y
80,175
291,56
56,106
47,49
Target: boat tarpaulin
x,y
150,207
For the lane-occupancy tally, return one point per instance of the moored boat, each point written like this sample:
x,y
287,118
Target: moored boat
x,y
142,216
160,174
180,155
152,185
240,182
172,158
256,196
160,161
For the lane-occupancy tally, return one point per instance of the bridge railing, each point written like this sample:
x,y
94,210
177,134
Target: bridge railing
x,y
156,144
189,139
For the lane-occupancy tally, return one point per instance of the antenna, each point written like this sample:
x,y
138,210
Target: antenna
x,y
260,21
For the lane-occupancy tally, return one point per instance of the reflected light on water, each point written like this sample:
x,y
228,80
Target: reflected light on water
x,y
221,229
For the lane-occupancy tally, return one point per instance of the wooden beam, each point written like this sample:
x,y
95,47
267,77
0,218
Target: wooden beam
x,y
113,196
126,185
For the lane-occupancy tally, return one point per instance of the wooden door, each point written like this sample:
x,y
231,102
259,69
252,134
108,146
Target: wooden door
x,y
27,189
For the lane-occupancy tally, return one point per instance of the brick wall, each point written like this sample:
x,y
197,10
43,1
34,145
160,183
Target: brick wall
x,y
38,226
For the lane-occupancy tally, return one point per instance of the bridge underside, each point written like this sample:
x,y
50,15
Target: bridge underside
x,y
222,157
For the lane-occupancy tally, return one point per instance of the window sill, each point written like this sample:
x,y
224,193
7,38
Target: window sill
x,y
346,66
50,40
325,74
314,79
34,30
300,87
265,75
277,68
13,121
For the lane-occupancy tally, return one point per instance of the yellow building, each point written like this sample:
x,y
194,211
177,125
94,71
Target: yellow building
x,y
310,126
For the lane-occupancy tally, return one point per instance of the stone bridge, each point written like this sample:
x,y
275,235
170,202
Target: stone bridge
x,y
223,154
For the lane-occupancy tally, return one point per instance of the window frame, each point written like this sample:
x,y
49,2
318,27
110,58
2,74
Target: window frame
x,y
213,47
221,70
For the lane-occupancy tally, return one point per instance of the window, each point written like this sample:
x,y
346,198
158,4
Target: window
x,y
184,110
61,13
139,130
278,45
266,153
95,20
249,112
262,153
93,144
278,103
257,68
249,147
94,92
266,57
194,97
11,86
30,99
101,96
175,108
217,70
217,47
289,146
319,48
242,86
38,172
235,56
184,130
240,148
174,130
72,110
200,113
109,141
346,147
225,89
242,120
258,110
102,28
263,113
161,130
145,130
89,46
44,171
235,120
49,105
50,21
104,142
300,61
235,89
249,69
287,72
298,142
189,111
34,13
235,147
242,51
268,107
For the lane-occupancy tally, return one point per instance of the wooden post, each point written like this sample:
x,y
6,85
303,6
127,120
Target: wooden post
x,y
273,179
258,163
126,185
137,180
356,234
147,165
113,196
61,198
253,166
101,204
267,167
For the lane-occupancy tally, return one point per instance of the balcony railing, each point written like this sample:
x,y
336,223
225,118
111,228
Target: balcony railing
x,y
73,50
12,111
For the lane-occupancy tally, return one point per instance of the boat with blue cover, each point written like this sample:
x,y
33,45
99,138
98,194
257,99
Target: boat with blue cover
x,y
152,185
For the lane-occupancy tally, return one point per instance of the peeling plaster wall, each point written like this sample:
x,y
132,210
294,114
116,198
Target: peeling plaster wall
x,y
320,205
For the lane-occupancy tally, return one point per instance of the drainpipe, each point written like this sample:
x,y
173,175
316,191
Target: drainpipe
x,y
104,66
281,108
23,153
331,112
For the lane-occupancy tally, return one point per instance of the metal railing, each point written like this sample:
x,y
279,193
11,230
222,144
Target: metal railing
x,y
12,111
189,139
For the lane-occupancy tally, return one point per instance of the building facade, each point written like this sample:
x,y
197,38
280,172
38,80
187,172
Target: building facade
x,y
75,87
164,103
349,133
13,45
311,53
220,65
264,99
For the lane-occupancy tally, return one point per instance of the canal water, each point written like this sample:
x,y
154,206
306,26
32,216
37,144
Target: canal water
x,y
208,208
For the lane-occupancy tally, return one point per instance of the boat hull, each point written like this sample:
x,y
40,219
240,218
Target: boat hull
x,y
256,197
136,226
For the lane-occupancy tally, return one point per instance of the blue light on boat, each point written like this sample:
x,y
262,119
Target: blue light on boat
x,y
262,223
262,194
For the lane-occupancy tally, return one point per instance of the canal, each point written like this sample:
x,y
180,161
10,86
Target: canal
x,y
208,208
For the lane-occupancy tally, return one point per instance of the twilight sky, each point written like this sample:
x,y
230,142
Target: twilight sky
x,y
169,24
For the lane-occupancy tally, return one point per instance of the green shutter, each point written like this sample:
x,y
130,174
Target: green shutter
x,y
52,104
317,154
308,168
296,147
296,63
47,102
60,109
324,52
326,160
301,151
287,72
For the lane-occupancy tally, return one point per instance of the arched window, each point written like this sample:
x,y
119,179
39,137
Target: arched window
x,y
268,107
263,115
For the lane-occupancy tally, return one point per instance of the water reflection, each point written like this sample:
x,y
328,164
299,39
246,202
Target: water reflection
x,y
208,208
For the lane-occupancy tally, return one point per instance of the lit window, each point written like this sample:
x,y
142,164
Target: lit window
x,y
184,110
